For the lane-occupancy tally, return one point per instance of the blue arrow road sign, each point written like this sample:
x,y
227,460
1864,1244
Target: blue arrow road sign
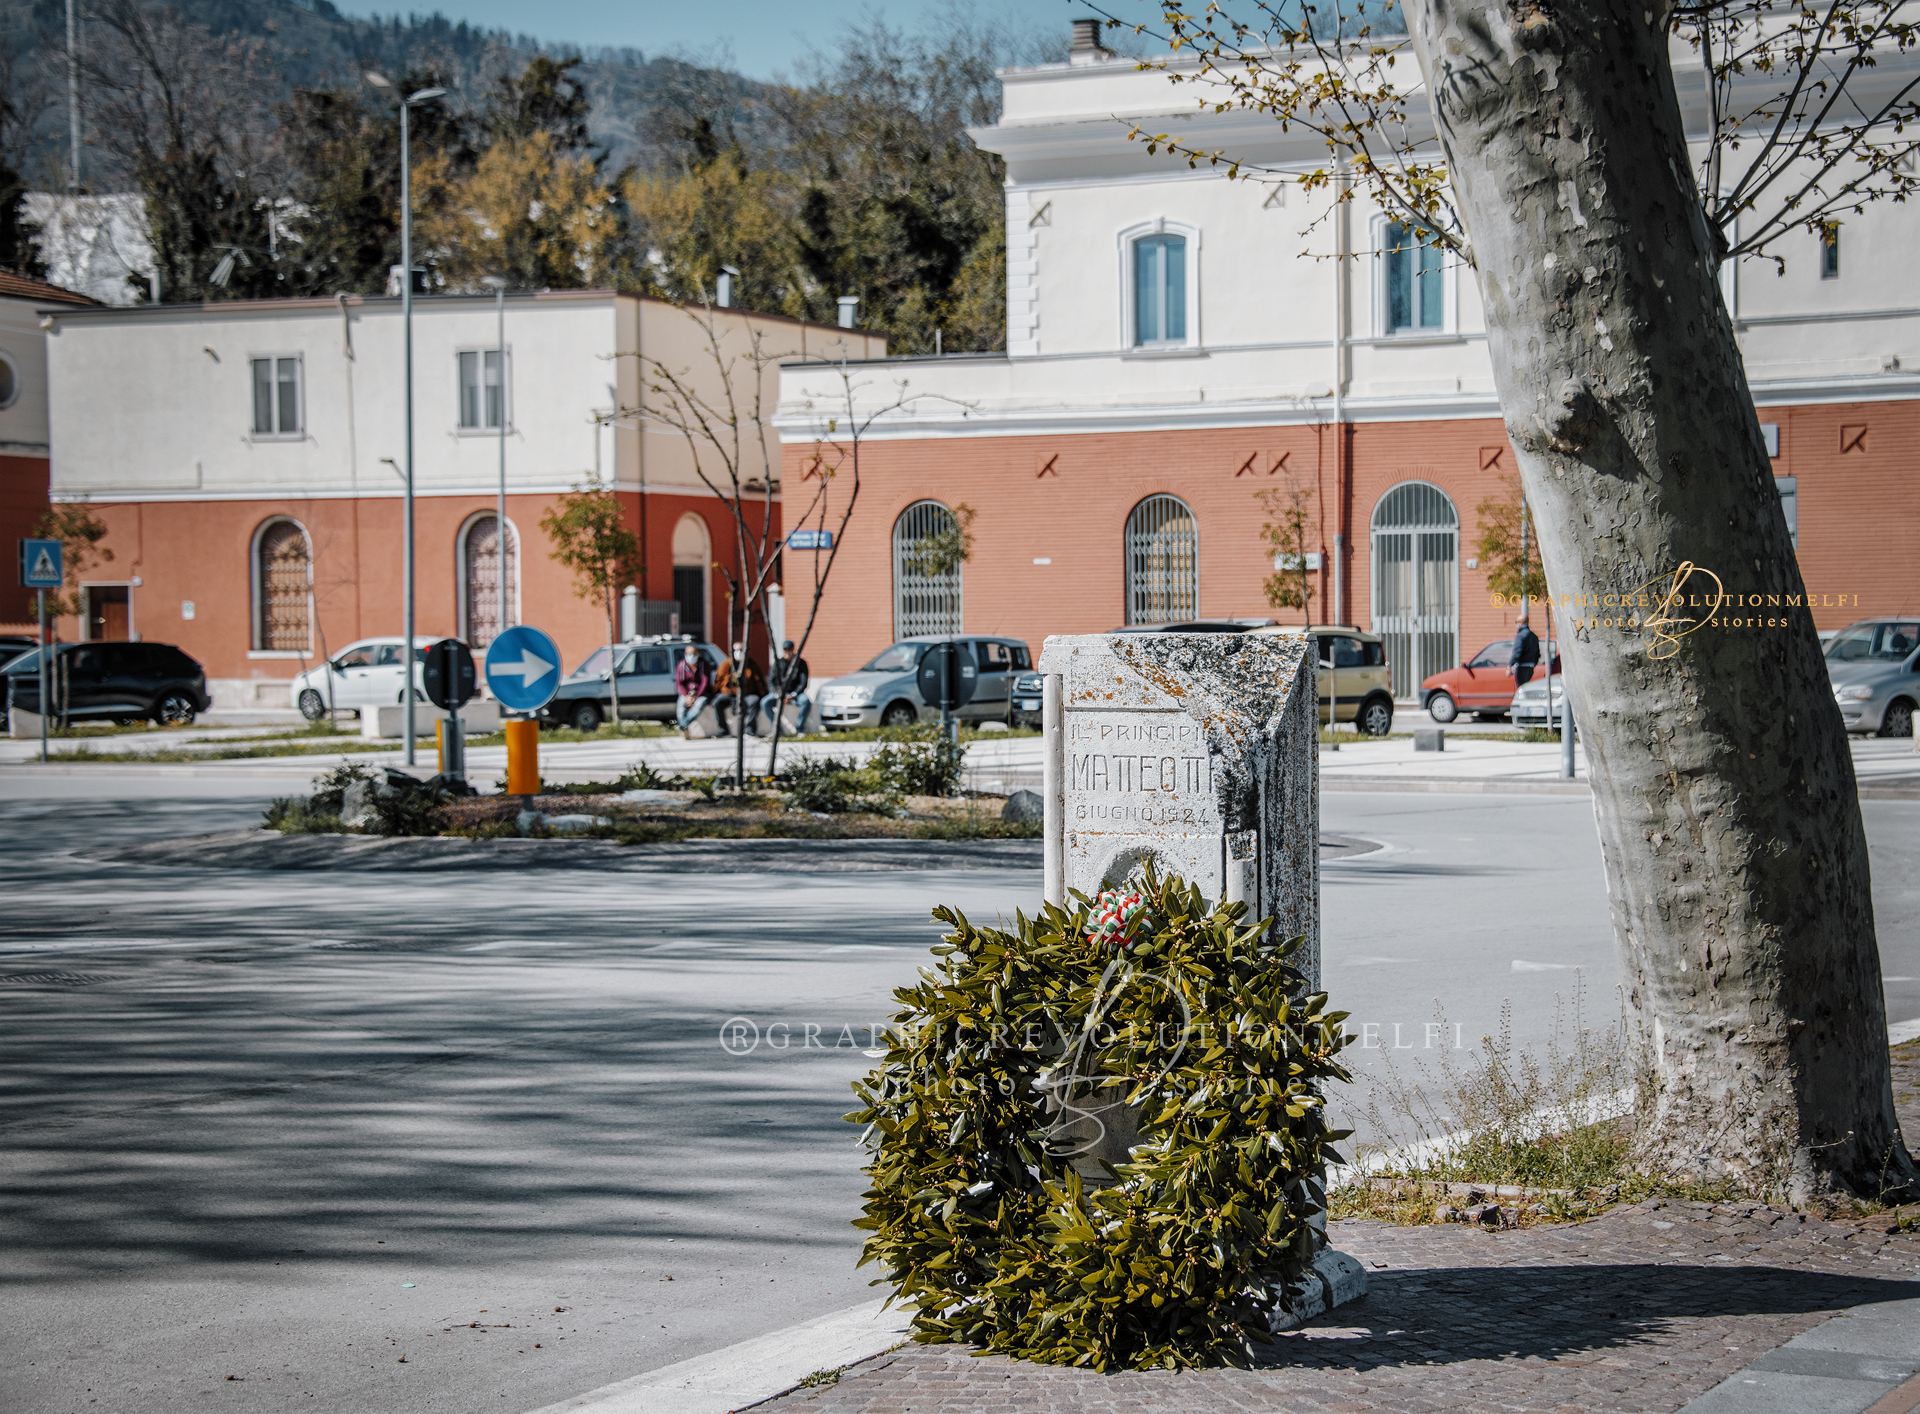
x,y
40,564
523,669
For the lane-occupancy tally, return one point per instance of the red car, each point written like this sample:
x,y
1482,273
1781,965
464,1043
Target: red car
x,y
1483,684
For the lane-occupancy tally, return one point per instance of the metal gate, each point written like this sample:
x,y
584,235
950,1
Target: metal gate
x,y
489,607
923,603
1416,583
1163,562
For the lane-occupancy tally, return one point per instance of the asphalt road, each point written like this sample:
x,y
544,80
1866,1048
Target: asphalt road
x,y
352,1139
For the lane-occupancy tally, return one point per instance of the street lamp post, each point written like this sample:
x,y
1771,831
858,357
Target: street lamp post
x,y
499,286
424,95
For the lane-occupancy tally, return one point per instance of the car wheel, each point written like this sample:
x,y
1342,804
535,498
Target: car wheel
x,y
584,717
1897,720
312,705
898,714
1442,708
1376,716
174,709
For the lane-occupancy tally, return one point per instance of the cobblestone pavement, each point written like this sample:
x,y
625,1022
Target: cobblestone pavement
x,y
1640,1309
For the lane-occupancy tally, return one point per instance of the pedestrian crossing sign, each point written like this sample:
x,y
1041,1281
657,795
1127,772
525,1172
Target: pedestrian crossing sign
x,y
40,564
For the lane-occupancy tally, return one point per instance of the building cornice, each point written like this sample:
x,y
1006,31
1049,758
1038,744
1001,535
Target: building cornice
x,y
483,490
1082,420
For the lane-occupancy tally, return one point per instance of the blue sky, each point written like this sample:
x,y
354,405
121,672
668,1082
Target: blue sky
x,y
757,37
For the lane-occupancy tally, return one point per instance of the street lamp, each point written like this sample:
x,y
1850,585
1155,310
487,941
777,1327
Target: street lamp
x,y
425,95
498,284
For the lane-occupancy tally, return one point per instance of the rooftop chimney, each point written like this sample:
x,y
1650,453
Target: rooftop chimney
x,y
1086,47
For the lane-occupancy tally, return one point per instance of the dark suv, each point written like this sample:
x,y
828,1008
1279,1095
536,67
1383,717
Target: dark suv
x,y
115,682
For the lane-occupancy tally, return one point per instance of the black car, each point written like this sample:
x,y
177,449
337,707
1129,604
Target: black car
x,y
113,682
12,645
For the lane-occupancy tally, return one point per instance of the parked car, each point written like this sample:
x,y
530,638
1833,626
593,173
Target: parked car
x,y
1483,684
1874,666
1532,709
363,674
585,698
12,645
1357,661
886,692
112,682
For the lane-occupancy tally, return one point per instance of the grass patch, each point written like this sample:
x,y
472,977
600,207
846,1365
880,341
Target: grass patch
x,y
349,746
1558,1125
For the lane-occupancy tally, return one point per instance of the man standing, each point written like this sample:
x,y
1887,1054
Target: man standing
x,y
1526,653
740,683
787,680
693,682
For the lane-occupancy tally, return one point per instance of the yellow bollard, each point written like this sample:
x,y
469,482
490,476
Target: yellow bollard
x,y
440,743
523,758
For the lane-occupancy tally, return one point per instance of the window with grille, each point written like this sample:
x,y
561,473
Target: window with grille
x,y
923,602
1416,582
489,607
283,573
1163,562
483,392
276,397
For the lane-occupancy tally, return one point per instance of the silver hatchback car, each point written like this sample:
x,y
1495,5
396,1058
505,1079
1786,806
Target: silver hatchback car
x,y
886,692
1874,666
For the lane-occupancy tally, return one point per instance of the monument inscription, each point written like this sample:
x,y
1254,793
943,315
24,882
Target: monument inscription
x,y
1195,752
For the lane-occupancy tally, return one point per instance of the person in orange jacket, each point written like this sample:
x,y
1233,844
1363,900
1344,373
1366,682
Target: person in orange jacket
x,y
739,681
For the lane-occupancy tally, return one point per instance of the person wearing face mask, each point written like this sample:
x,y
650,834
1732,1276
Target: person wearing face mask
x,y
787,682
739,682
693,682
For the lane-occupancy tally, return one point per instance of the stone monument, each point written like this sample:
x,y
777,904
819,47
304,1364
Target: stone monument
x,y
1199,752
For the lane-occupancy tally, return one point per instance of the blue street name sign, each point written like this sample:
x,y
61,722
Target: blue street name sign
x,y
40,564
810,540
523,669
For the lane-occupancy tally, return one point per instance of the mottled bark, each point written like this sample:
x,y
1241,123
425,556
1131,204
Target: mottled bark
x,y
1722,784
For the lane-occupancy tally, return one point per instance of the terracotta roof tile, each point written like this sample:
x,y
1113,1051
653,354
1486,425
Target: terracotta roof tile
x,y
13,283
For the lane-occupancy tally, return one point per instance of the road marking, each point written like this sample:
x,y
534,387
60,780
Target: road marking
x,y
1519,966
752,1371
1902,1032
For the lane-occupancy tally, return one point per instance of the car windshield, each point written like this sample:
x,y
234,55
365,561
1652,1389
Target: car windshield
x,y
27,662
1881,642
901,658
595,665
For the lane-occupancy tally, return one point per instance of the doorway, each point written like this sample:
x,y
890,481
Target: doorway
x,y
1416,583
109,613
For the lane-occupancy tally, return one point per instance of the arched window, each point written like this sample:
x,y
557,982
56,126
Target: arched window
x,y
486,609
923,602
1163,562
1416,582
282,589
1160,290
692,554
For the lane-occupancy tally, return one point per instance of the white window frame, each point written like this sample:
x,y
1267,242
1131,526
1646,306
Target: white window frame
x,y
1789,489
299,434
1124,242
506,389
14,369
1383,296
256,604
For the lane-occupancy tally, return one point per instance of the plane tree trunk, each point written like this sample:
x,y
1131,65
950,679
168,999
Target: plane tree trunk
x,y
1722,783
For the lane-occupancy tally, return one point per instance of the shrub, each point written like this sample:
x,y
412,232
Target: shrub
x,y
1095,1156
918,764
